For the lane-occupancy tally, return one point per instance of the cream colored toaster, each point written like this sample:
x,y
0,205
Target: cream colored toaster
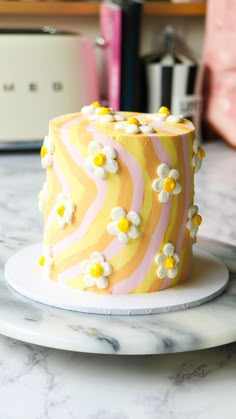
x,y
43,74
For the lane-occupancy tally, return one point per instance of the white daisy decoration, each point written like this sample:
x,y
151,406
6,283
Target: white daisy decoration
x,y
96,271
46,152
96,111
134,126
173,119
46,260
90,109
102,159
42,197
198,155
167,183
162,114
194,221
124,225
167,262
64,210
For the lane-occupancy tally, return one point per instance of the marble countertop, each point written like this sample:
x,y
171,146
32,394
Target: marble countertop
x,y
43,383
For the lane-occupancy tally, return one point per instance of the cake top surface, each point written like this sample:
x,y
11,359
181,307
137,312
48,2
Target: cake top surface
x,y
161,123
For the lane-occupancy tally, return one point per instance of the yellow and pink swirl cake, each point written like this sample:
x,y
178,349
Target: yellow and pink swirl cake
x,y
118,200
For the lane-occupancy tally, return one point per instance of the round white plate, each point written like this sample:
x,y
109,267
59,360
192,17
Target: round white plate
x,y
209,277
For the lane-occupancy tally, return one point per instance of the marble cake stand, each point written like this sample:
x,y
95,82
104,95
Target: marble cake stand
x,y
210,324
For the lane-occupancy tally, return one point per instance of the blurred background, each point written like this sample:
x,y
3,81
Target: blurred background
x,y
57,56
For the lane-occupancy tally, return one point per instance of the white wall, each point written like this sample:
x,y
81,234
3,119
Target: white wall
x,y
191,28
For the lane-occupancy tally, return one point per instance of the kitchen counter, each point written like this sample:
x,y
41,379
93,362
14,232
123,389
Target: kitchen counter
x,y
44,383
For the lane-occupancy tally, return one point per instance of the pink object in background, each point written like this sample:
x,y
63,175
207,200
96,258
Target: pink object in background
x,y
111,31
188,1
219,59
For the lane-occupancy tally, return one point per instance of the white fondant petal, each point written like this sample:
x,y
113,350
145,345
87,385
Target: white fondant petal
x,y
168,249
176,258
70,206
89,163
160,116
132,129
157,185
191,211
99,172
89,280
172,273
193,232
118,212
123,237
133,232
160,258
111,166
102,282
189,225
47,161
120,125
94,147
146,129
48,262
107,268
112,228
163,170
196,145
161,272
61,222
68,217
85,266
172,119
109,152
164,196
174,174
97,257
134,217
61,198
178,189
107,118
119,117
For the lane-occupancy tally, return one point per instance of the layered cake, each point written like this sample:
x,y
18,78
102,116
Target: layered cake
x,y
118,200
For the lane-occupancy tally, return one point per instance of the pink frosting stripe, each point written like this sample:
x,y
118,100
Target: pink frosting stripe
x,y
95,207
136,278
65,190
187,194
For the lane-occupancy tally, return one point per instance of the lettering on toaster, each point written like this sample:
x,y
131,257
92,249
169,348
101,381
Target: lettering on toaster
x,y
8,87
56,86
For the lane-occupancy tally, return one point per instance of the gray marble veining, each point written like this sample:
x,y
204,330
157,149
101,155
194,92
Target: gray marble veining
x,y
64,384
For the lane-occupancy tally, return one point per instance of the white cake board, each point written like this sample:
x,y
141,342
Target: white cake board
x,y
209,277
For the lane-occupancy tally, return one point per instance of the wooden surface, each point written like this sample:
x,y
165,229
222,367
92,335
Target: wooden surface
x,y
92,8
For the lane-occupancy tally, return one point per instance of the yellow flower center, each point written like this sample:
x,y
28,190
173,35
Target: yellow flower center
x,y
96,270
41,260
164,111
170,262
104,111
169,184
201,153
43,151
124,224
197,220
61,210
96,104
99,159
134,121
